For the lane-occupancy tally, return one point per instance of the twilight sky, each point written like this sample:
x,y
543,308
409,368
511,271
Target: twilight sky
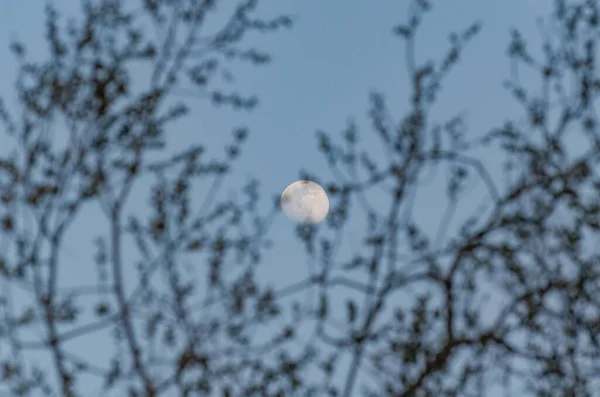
x,y
322,72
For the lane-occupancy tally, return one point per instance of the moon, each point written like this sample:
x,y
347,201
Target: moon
x,y
305,202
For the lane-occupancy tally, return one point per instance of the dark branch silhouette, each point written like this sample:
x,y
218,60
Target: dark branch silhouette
x,y
91,133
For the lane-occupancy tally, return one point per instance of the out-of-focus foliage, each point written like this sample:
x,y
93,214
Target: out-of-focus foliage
x,y
93,127
531,251
416,321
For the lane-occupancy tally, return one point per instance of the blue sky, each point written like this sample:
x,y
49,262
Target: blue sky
x,y
322,72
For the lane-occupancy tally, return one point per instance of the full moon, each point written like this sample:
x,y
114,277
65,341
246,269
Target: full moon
x,y
305,202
